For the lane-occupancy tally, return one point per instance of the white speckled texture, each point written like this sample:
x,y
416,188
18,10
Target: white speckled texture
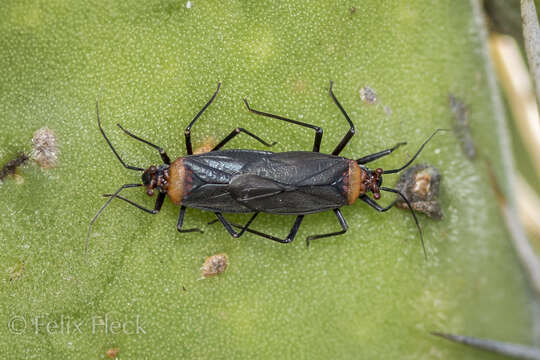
x,y
152,65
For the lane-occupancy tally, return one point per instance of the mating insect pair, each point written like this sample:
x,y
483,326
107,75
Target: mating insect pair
x,y
253,181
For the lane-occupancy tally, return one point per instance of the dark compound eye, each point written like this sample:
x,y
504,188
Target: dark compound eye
x,y
146,178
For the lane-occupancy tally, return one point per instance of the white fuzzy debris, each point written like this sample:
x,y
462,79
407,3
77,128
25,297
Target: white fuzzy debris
x,y
188,5
368,95
44,148
214,265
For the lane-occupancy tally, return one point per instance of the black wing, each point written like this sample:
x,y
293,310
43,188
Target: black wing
x,y
209,176
299,168
218,167
291,183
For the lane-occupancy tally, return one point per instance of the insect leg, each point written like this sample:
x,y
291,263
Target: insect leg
x,y
157,206
318,130
342,222
372,157
111,146
238,131
289,237
187,132
181,222
228,225
375,205
162,152
349,133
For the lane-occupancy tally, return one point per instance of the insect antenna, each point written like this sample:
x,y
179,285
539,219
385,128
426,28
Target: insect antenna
x,y
125,186
393,171
412,212
111,146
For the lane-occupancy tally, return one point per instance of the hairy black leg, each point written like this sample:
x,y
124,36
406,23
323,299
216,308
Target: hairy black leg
x,y
187,132
228,225
318,130
349,133
372,157
111,146
375,205
342,222
238,131
162,152
155,210
289,237
125,186
181,222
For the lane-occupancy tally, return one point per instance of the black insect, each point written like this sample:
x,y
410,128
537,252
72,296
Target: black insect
x,y
252,181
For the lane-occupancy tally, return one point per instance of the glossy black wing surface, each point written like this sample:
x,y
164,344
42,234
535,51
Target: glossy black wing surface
x,y
208,176
291,183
